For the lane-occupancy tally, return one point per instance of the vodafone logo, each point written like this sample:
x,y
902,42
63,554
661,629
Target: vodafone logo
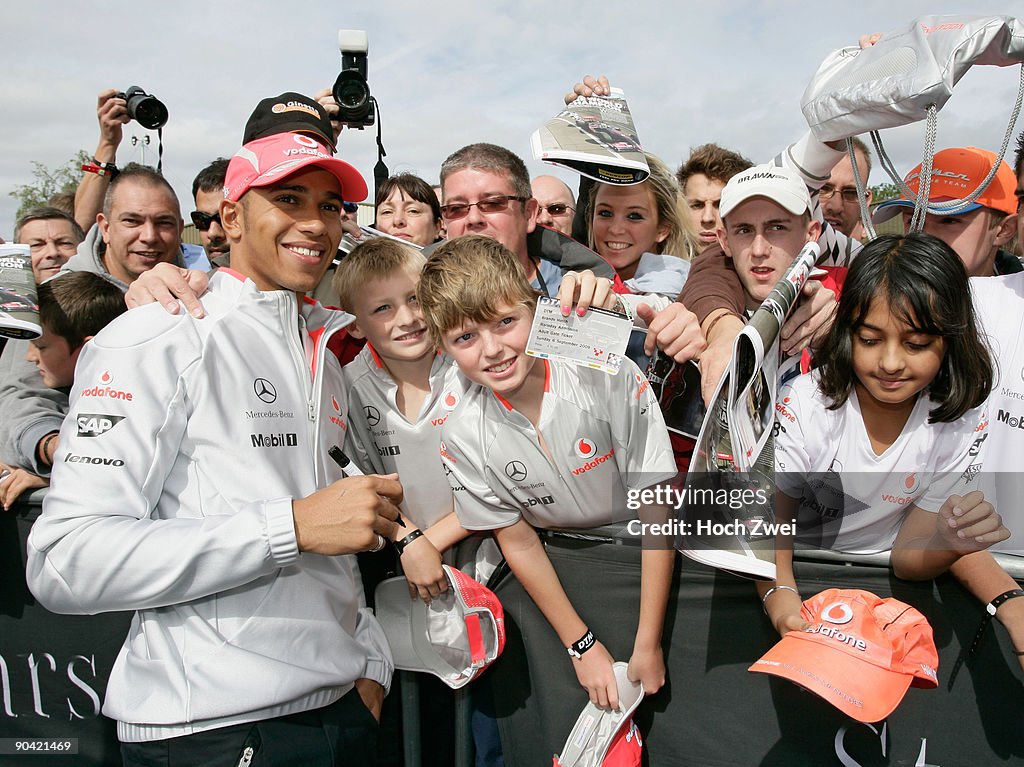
x,y
643,385
104,390
585,448
837,613
781,409
450,400
305,141
911,483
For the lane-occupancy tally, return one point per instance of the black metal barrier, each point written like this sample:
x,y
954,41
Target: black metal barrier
x,y
53,668
712,713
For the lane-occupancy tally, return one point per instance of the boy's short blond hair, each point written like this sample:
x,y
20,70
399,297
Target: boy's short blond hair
x,y
375,259
466,279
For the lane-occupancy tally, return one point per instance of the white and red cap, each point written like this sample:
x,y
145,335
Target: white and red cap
x,y
861,652
454,637
602,737
269,160
780,185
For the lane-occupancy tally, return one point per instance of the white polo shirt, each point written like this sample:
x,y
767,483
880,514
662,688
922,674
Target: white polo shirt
x,y
999,302
605,433
855,500
388,443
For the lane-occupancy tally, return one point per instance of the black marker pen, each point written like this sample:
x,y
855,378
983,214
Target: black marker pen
x,y
351,470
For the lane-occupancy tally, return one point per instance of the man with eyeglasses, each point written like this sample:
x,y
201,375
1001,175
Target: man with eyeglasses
x,y
486,190
208,191
838,196
556,207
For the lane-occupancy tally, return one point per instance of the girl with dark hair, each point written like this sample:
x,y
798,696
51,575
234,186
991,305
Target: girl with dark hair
x,y
875,447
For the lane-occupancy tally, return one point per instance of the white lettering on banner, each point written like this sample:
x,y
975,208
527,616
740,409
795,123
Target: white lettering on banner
x,y
47,660
883,738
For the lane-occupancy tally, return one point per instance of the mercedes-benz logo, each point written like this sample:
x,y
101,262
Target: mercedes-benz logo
x,y
264,390
372,415
516,470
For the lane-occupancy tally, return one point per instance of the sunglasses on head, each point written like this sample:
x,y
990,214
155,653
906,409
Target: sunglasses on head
x,y
202,220
350,207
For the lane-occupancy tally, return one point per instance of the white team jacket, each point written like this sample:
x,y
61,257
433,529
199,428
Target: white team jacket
x,y
185,444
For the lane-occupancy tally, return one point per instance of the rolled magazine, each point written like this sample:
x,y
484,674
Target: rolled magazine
x,y
595,137
19,302
725,517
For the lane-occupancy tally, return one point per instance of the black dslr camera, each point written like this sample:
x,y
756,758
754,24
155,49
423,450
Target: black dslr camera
x,y
145,108
350,89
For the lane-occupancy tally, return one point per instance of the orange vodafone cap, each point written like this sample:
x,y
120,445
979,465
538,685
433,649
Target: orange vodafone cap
x,y
861,654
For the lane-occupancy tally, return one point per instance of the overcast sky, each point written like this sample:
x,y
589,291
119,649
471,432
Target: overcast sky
x,y
449,73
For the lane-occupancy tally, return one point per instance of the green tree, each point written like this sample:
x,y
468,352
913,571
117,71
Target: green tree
x,y
48,182
884,193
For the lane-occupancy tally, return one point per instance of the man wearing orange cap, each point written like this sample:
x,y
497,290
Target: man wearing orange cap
x,y
979,231
210,504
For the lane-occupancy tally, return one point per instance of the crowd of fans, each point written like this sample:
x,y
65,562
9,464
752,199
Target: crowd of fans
x,y
176,492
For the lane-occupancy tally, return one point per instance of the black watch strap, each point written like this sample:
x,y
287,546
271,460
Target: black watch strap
x,y
400,545
990,612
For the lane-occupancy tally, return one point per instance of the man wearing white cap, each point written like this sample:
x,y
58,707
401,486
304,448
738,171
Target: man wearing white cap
x,y
199,507
765,222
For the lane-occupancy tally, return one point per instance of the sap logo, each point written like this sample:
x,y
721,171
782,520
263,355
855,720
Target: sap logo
x,y
389,450
976,445
280,439
95,424
544,500
72,458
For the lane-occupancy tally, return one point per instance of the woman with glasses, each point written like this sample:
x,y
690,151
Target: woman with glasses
x,y
408,208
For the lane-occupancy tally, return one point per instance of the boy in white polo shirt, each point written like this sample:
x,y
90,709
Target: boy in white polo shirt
x,y
538,443
400,392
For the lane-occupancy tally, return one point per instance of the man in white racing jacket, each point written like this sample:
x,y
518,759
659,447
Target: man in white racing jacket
x,y
186,487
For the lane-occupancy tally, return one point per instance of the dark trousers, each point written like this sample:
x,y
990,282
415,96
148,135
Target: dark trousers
x,y
343,734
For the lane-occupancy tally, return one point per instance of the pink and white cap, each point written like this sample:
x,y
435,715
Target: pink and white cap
x,y
271,159
454,637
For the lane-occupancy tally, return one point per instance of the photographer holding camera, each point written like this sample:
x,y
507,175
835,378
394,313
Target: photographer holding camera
x,y
114,109
112,113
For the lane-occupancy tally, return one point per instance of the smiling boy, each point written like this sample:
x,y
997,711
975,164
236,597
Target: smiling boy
x,y
544,444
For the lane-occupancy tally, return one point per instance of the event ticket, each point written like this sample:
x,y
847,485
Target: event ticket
x,y
597,339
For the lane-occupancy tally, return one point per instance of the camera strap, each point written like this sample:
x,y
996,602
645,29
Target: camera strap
x,y
380,170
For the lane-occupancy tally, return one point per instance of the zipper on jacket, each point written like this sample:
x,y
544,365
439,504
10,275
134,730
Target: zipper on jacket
x,y
246,759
